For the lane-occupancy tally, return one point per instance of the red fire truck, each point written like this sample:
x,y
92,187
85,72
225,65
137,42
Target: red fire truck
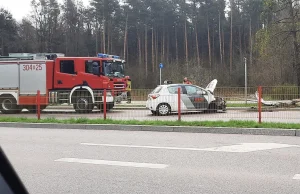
x,y
71,80
113,67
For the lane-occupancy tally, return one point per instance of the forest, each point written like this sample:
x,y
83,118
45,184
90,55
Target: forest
x,y
198,39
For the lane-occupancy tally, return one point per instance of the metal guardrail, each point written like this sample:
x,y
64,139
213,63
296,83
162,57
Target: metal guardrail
x,y
238,93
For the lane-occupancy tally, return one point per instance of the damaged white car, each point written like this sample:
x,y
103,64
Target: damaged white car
x,y
163,100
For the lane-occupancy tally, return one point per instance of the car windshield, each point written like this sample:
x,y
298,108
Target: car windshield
x,y
113,69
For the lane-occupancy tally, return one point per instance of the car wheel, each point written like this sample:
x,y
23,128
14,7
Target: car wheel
x,y
163,109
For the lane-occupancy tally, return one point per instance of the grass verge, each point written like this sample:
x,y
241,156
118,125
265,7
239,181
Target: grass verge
x,y
232,123
236,105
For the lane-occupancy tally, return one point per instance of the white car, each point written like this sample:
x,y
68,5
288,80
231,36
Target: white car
x,y
163,100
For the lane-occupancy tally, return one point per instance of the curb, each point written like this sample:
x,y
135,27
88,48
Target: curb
x,y
213,130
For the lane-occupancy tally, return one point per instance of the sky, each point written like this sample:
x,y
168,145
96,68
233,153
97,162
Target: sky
x,y
22,8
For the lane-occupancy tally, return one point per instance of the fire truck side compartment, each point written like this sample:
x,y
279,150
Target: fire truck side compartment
x,y
9,76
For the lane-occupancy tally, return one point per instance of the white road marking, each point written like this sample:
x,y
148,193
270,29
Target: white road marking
x,y
249,147
138,146
296,177
113,163
240,148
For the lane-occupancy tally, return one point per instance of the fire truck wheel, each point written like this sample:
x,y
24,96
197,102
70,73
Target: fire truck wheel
x,y
8,104
83,103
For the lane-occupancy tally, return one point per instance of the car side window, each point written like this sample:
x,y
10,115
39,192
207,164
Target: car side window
x,y
174,90
192,90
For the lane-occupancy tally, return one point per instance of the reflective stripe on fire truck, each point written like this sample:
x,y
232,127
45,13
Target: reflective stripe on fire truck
x,y
14,93
82,87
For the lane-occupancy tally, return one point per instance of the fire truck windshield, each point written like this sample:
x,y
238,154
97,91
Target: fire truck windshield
x,y
113,69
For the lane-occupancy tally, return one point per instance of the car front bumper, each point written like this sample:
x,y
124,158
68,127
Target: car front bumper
x,y
221,103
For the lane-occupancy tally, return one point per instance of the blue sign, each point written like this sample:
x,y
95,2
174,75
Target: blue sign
x,y
161,66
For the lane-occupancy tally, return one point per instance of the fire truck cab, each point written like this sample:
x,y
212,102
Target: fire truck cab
x,y
71,80
114,68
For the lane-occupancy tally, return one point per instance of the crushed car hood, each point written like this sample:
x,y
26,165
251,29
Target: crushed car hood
x,y
212,86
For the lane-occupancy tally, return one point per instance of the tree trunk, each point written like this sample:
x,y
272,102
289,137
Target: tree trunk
x,y
66,49
153,59
231,40
125,37
240,43
213,48
111,43
186,47
2,45
176,45
104,39
146,51
250,42
163,43
293,31
162,47
197,44
127,52
220,40
156,47
208,42
168,46
223,48
108,37
139,47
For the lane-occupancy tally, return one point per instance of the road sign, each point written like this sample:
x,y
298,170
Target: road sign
x,y
161,66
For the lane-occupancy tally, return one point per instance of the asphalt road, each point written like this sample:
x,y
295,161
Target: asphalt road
x,y
275,116
90,161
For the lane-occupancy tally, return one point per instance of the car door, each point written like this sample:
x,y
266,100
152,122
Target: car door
x,y
172,97
196,98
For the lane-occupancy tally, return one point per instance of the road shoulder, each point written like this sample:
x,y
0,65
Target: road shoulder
x,y
184,129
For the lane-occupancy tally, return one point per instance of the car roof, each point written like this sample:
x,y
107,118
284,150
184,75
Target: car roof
x,y
179,84
167,85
